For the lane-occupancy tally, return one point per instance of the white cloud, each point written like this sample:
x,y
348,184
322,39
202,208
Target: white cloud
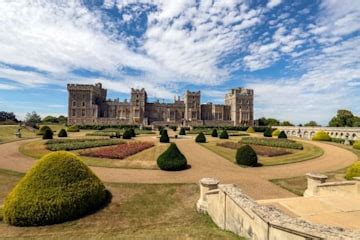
x,y
273,3
8,87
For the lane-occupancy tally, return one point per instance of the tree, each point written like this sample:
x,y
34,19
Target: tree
x,y
62,119
32,119
343,118
311,124
286,123
268,122
7,116
50,119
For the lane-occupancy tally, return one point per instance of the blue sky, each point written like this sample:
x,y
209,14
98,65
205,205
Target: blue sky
x,y
301,57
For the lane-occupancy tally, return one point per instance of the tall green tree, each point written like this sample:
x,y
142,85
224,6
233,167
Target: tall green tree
x,y
343,118
32,119
311,124
286,123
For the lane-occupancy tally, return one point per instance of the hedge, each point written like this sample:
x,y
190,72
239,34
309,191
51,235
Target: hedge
x,y
164,138
127,134
172,159
132,132
59,188
353,171
282,135
42,130
281,143
102,127
62,133
268,132
75,144
73,128
250,130
245,155
236,128
356,145
214,133
224,135
200,138
276,133
48,134
321,136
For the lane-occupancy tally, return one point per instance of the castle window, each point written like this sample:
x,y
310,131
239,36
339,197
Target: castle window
x,y
74,103
83,104
73,112
83,113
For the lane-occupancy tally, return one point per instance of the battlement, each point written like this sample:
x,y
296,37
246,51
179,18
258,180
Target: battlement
x,y
192,93
71,86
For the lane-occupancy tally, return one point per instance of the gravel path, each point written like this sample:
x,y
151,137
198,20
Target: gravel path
x,y
204,163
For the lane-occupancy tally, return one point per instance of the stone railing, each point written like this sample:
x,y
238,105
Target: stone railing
x,y
317,186
234,211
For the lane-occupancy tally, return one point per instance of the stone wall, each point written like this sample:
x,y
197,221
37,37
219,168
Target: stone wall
x,y
234,211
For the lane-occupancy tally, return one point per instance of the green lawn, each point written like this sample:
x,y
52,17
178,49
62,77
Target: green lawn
x,y
137,211
309,152
298,184
7,133
143,160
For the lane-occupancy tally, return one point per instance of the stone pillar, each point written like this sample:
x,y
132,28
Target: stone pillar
x,y
313,180
206,185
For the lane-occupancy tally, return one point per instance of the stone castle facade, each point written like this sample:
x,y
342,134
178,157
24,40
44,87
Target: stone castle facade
x,y
88,104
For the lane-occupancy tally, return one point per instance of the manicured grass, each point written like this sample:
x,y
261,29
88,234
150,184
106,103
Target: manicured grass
x,y
7,133
143,160
309,152
76,144
137,211
298,184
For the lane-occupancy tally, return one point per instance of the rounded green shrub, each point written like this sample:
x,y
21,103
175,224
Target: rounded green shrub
x,y
132,132
276,133
182,131
356,145
353,171
127,134
48,134
224,135
250,130
43,129
268,132
172,159
73,128
62,133
164,138
214,133
200,138
321,136
282,135
59,188
245,155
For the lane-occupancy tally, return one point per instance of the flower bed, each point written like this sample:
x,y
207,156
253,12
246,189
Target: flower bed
x,y
120,151
281,143
260,150
75,144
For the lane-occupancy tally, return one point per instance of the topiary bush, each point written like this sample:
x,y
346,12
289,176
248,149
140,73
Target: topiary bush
x,y
282,135
127,134
164,138
73,128
224,135
214,133
268,132
182,131
356,145
48,134
321,136
59,188
132,132
62,133
245,155
200,138
353,171
250,130
276,133
172,159
43,129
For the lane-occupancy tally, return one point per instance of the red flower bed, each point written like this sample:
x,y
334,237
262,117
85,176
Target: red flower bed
x,y
120,151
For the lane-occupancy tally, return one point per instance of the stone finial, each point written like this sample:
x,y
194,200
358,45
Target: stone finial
x,y
206,185
313,180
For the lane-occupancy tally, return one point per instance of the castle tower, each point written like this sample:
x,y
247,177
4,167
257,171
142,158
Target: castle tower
x,y
192,106
138,102
84,102
241,102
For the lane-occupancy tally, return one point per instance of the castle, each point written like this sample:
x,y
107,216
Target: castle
x,y
87,104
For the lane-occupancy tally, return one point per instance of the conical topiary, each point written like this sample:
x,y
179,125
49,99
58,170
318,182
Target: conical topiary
x,y
172,159
200,138
43,129
48,134
276,133
59,188
127,134
164,138
224,135
132,132
182,131
246,155
250,130
268,132
62,133
214,133
282,135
